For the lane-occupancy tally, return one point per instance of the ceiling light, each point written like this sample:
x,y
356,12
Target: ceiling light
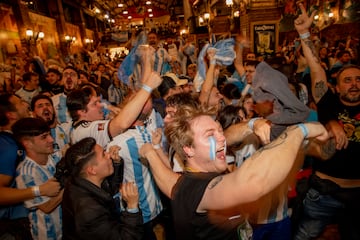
x,y
148,2
125,12
120,5
149,10
151,15
129,17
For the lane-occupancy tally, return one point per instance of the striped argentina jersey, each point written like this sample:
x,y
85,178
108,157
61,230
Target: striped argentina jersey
x,y
134,171
29,174
60,134
62,113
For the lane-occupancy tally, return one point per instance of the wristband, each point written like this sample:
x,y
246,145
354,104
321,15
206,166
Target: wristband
x,y
36,191
305,35
251,123
213,61
146,88
303,129
132,210
156,146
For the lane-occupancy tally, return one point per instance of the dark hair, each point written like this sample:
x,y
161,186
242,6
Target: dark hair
x,y
231,91
38,97
29,127
251,63
5,107
78,100
229,115
71,67
342,53
27,76
79,154
54,70
345,68
84,73
166,85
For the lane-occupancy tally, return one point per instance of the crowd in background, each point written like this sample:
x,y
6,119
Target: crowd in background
x,y
125,100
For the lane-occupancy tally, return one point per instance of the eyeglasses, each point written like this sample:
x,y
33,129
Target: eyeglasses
x,y
70,74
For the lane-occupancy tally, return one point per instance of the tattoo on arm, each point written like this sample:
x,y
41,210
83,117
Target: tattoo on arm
x,y
320,89
312,48
214,182
328,149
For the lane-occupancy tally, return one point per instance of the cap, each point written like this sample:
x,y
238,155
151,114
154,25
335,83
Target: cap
x,y
178,81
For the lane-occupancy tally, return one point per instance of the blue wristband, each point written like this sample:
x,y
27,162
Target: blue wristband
x,y
132,210
146,88
251,123
303,129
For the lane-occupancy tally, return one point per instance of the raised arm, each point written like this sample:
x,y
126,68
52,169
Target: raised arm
x,y
165,178
240,43
262,172
132,109
318,77
209,80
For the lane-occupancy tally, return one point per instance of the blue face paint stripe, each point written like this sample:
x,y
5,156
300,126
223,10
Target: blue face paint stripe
x,y
212,152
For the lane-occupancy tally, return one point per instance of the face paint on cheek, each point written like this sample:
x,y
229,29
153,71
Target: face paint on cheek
x,y
212,151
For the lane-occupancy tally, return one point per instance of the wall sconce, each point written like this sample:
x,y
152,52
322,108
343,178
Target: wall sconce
x,y
206,16
229,3
32,38
69,40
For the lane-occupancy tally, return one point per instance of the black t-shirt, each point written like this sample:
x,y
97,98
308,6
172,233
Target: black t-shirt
x,y
189,224
345,163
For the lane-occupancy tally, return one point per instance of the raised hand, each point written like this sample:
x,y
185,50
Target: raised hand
x,y
303,22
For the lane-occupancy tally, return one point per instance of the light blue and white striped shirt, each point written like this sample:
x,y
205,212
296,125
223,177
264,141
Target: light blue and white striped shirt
x,y
134,171
29,174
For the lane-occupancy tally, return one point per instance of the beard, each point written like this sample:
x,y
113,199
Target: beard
x,y
346,97
50,119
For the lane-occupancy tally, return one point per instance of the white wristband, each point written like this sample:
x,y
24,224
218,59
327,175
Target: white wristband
x,y
156,146
146,88
36,191
251,123
132,210
305,35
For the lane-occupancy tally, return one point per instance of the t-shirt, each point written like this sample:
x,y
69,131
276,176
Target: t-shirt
x,y
30,173
130,142
345,163
190,224
96,129
60,107
10,155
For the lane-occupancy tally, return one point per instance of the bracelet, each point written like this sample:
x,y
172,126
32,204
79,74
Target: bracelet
x,y
132,210
251,123
305,35
146,88
36,191
156,146
303,129
213,61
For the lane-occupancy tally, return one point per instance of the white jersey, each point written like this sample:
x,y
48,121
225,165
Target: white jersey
x,y
96,129
134,171
29,174
26,95
62,113
60,134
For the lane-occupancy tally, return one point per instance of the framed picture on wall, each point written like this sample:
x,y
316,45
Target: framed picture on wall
x,y
264,36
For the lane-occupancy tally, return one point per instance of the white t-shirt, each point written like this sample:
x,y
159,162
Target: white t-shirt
x,y
96,129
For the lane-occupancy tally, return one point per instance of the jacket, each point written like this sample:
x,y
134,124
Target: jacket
x,y
89,212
